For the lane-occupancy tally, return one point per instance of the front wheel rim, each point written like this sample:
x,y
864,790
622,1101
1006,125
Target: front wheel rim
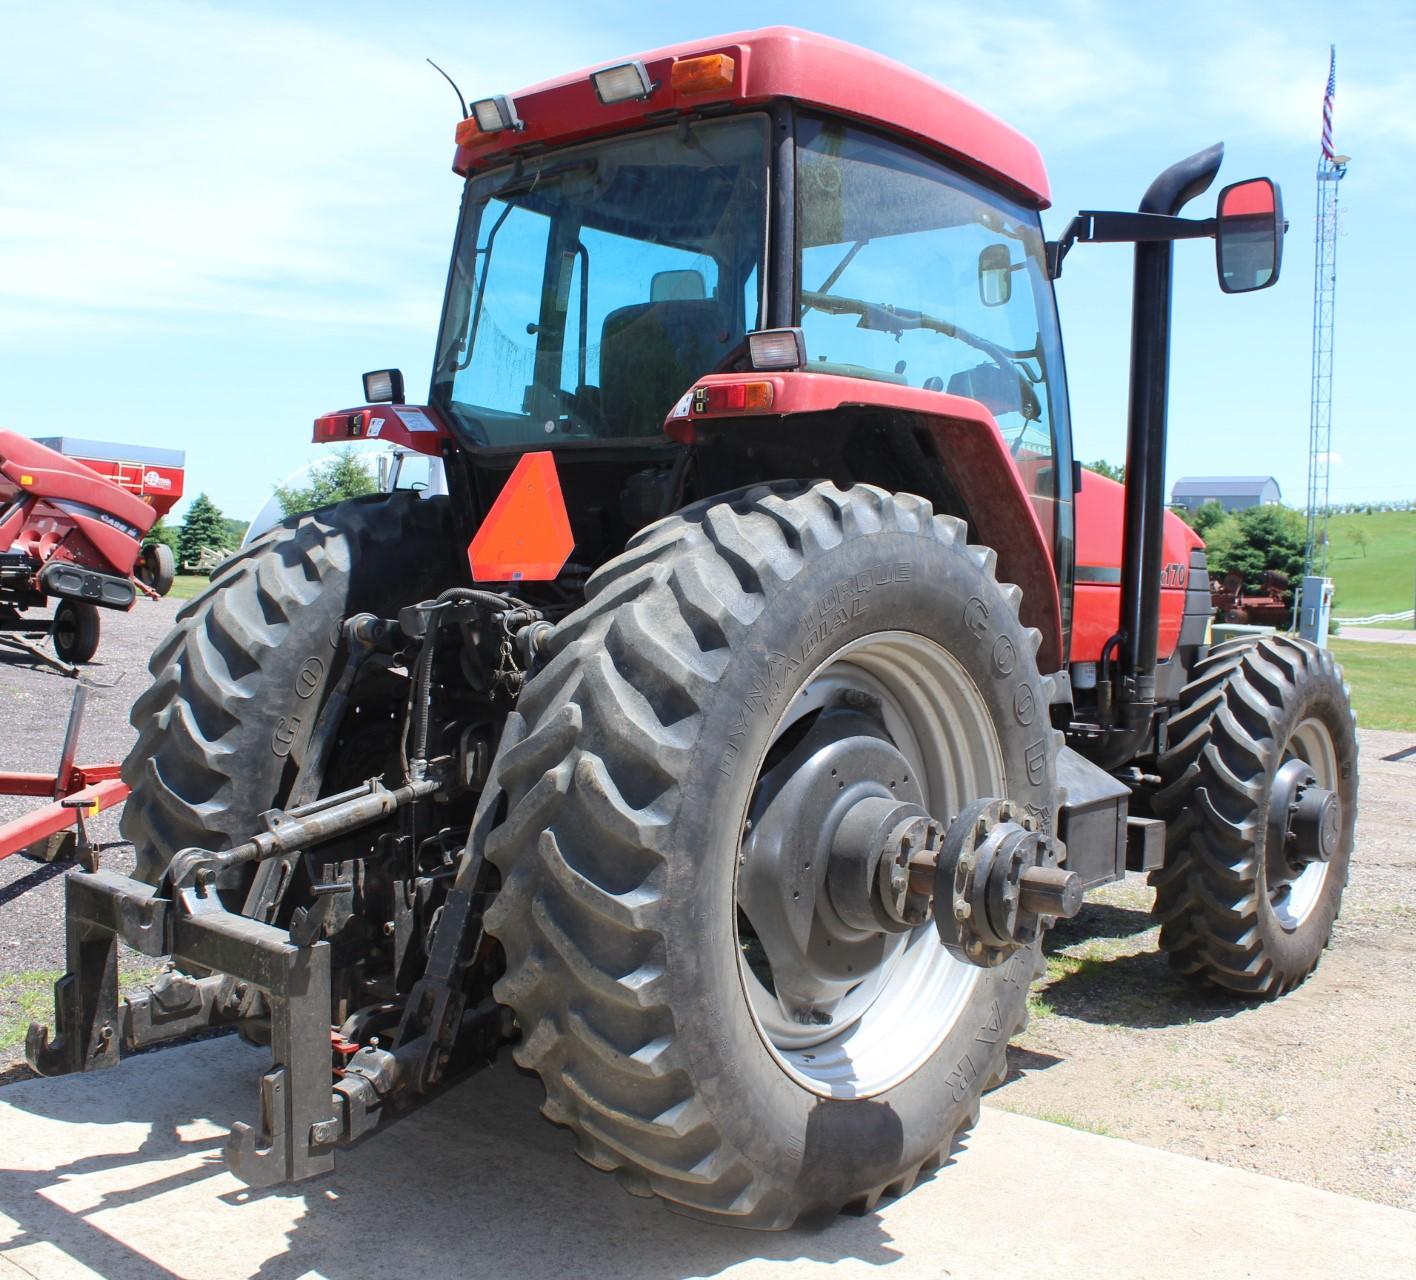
x,y
899,1012
1294,900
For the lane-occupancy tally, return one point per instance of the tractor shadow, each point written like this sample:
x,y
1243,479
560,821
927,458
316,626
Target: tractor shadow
x,y
473,1184
1106,967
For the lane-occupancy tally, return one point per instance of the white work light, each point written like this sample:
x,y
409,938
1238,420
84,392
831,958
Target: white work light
x,y
777,349
623,83
383,386
495,114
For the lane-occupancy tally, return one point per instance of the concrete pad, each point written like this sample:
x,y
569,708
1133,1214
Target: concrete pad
x,y
119,1175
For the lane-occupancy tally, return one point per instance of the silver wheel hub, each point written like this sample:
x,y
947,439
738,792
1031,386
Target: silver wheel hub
x,y
1304,824
847,979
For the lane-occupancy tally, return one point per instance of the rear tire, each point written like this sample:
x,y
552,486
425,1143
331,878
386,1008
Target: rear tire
x,y
627,772
239,681
1226,918
76,629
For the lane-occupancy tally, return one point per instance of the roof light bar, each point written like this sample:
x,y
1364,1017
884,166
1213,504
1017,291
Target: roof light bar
x,y
623,83
777,349
495,114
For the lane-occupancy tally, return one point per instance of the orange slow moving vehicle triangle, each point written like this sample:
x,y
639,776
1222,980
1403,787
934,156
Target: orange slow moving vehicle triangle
x,y
526,536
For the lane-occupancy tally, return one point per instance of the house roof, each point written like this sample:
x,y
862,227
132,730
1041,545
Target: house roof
x,y
1222,486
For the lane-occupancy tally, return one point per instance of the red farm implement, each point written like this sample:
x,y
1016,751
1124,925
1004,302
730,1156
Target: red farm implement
x,y
74,791
72,522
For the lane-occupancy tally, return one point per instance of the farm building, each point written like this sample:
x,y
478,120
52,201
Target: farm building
x,y
1233,493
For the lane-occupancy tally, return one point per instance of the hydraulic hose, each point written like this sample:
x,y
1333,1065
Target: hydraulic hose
x,y
423,669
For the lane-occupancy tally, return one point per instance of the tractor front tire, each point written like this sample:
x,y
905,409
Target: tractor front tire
x,y
731,1068
1231,914
76,629
240,679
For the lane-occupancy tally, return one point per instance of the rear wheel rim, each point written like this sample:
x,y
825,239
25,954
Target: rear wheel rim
x,y
899,1013
66,631
1294,900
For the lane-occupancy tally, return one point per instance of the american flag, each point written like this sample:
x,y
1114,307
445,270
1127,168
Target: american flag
x,y
1327,103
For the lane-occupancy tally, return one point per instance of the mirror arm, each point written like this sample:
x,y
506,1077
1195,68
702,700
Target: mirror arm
x,y
1096,226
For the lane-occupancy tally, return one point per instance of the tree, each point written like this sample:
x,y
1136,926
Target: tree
x,y
1207,516
204,527
163,533
1359,536
1255,541
339,477
1109,470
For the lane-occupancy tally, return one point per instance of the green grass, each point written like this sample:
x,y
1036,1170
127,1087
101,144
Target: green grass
x,y
28,996
25,997
1380,578
1383,681
187,585
1065,1118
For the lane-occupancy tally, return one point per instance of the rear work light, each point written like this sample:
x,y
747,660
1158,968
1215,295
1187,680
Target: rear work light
x,y
624,83
383,386
777,349
495,114
732,397
702,75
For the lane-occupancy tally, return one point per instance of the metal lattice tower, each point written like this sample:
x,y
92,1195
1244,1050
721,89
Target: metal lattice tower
x,y
1331,170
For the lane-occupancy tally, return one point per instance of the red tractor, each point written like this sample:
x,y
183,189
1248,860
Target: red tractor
x,y
72,531
768,683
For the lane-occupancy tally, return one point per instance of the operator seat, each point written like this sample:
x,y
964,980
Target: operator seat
x,y
650,354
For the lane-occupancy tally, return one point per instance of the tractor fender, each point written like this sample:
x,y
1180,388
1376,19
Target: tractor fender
x,y
1001,512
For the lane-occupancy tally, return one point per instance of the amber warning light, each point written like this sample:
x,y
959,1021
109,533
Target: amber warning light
x,y
702,75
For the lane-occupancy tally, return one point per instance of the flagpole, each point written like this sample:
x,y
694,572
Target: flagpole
x,y
1332,168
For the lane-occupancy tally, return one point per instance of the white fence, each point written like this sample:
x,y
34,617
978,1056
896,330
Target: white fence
x,y
1376,618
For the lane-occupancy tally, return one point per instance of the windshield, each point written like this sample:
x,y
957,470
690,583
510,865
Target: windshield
x,y
913,274
910,273
592,287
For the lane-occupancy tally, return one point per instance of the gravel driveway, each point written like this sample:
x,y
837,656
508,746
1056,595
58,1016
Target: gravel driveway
x,y
1319,1087
34,708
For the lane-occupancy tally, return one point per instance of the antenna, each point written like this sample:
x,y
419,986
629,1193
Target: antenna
x,y
461,101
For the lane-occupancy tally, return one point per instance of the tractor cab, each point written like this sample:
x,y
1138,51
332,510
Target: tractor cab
x,y
592,287
594,284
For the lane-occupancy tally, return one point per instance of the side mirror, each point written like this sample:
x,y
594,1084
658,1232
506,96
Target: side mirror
x,y
995,275
383,386
1249,235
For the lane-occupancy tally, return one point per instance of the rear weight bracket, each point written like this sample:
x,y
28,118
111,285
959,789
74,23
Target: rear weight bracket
x,y
299,1116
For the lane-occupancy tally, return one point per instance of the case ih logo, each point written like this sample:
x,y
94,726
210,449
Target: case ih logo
x,y
154,480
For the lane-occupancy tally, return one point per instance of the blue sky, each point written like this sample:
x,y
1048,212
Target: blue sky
x,y
214,217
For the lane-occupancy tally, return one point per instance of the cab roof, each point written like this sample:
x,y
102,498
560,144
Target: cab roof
x,y
774,63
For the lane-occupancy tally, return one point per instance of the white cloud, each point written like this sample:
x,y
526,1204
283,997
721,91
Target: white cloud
x,y
1035,70
1077,73
181,164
